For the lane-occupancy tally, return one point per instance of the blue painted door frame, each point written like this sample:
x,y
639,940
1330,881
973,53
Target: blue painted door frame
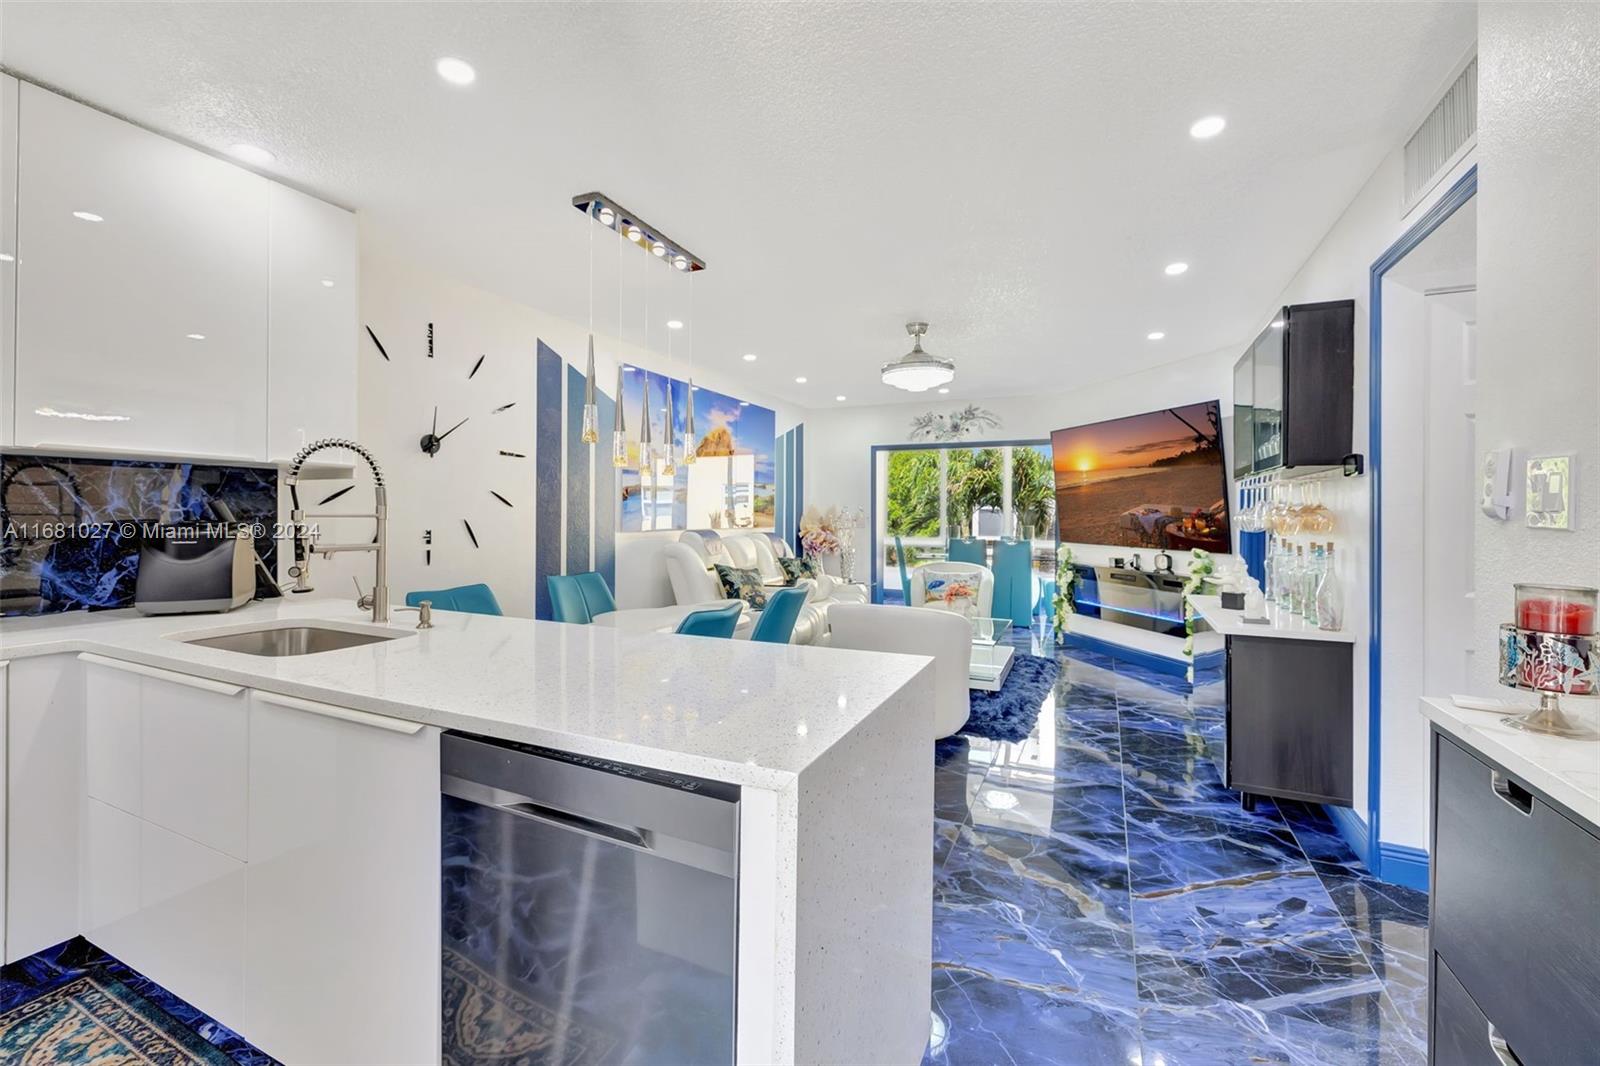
x,y
921,446
1389,862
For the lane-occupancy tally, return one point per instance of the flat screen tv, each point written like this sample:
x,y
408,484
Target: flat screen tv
x,y
1154,481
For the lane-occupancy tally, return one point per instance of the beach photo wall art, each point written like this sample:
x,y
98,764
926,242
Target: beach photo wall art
x,y
1155,480
731,484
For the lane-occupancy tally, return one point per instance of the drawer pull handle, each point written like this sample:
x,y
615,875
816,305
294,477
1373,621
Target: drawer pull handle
x,y
1514,794
1501,1049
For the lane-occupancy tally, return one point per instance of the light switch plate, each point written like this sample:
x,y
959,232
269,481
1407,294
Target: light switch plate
x,y
1550,492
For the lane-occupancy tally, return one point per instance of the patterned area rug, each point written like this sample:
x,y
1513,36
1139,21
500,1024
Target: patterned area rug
x,y
1010,713
487,1020
98,1021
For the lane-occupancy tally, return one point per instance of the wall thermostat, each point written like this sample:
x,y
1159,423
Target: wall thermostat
x,y
1494,495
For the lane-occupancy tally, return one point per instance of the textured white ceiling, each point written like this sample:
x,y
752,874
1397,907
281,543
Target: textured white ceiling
x,y
1018,175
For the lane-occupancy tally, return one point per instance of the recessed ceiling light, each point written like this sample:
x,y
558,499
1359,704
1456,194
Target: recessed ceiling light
x,y
1174,269
195,336
944,392
327,283
839,399
749,357
1208,127
1154,335
456,71
673,323
88,216
800,381
249,153
7,257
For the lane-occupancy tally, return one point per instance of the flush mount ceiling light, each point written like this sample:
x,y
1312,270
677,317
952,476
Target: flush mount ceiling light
x,y
1208,127
1174,269
613,216
249,153
917,371
456,71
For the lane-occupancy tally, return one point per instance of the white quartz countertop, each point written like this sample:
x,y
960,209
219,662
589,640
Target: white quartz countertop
x,y
1568,771
1279,623
749,714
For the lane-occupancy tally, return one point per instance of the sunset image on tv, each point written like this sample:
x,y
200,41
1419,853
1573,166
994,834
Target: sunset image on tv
x,y
1148,481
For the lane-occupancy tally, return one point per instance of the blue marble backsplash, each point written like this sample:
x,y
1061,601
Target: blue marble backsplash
x,y
63,542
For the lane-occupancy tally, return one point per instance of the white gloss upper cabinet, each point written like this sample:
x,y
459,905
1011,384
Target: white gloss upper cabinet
x,y
8,251
311,380
342,930
147,329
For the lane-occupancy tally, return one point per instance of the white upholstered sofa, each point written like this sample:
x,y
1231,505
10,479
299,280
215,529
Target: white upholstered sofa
x,y
689,561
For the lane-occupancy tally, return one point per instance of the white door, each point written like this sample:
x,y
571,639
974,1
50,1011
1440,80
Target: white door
x,y
141,321
342,932
1449,487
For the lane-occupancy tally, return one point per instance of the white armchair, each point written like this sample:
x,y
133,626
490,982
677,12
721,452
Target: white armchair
x,y
945,636
919,583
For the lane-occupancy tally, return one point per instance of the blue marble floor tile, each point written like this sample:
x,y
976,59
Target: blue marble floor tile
x,y
1100,897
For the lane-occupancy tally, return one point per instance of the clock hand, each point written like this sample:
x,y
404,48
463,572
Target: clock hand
x,y
435,429
453,428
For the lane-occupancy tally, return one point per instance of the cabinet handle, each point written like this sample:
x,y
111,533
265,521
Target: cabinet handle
x,y
344,714
1514,794
1501,1049
221,688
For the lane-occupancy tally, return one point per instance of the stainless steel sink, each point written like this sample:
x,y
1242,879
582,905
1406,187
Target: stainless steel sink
x,y
291,640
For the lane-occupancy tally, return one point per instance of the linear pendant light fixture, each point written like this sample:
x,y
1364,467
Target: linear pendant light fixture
x,y
917,371
650,239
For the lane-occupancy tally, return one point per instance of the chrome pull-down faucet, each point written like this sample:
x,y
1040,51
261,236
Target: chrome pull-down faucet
x,y
305,541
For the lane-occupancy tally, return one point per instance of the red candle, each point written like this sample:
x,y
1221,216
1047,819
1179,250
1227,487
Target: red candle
x,y
1556,616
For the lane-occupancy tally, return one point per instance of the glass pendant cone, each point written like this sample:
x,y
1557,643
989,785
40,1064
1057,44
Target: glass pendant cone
x,y
619,429
591,411
689,443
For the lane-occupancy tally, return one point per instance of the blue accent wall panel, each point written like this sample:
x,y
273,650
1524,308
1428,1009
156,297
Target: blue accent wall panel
x,y
799,484
547,492
578,458
605,494
784,501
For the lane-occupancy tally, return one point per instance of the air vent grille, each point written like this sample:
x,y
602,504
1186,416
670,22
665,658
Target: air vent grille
x,y
1444,135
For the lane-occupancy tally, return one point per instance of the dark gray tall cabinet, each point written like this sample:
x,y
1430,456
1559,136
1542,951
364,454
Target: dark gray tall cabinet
x,y
1513,920
1294,390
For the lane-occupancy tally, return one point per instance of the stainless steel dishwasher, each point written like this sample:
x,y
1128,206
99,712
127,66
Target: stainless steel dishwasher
x,y
589,909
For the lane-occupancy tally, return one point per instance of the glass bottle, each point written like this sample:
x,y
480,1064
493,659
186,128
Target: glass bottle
x,y
1297,590
1309,581
1269,586
1285,575
1330,596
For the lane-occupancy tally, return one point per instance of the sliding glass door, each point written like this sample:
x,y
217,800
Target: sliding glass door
x,y
927,493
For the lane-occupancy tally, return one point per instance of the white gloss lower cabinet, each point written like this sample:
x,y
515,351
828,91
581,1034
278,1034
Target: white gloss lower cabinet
x,y
341,957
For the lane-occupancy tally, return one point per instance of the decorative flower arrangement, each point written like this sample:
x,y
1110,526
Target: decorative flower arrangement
x,y
1065,576
1201,567
820,531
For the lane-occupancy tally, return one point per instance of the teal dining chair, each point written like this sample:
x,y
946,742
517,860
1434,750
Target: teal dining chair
x,y
905,575
1013,581
472,599
577,598
776,624
965,550
712,622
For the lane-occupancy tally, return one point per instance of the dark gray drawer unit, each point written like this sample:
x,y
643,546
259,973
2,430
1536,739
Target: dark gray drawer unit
x,y
1289,729
1459,1034
1514,915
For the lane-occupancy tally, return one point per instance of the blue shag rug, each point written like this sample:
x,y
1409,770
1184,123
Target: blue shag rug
x,y
1010,714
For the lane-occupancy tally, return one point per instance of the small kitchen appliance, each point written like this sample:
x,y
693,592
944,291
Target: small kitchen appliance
x,y
1551,649
194,569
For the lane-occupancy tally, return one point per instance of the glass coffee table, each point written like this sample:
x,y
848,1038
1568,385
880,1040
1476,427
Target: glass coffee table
x,y
991,655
